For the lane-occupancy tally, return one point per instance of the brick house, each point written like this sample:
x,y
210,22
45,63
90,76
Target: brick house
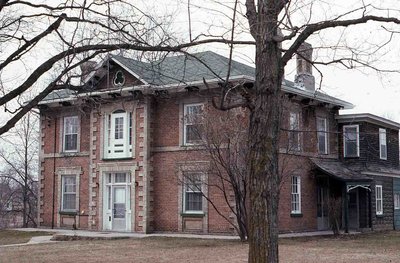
x,y
10,215
11,205
113,154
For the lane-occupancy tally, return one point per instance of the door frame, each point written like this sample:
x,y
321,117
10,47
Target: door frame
x,y
355,191
107,215
396,211
324,218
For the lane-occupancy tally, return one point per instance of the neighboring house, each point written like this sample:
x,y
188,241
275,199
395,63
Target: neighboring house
x,y
369,146
9,217
114,154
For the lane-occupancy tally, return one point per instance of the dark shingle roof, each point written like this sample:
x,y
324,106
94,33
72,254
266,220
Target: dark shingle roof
x,y
338,170
59,94
185,69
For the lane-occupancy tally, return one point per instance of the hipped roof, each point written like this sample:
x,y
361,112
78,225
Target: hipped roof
x,y
184,70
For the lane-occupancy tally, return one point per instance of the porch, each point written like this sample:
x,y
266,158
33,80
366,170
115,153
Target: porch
x,y
343,197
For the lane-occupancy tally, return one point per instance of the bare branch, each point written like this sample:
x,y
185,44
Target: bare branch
x,y
312,28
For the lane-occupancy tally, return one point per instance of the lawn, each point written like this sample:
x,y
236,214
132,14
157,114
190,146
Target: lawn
x,y
18,237
376,247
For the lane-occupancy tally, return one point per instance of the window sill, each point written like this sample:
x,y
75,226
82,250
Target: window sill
x,y
70,151
188,214
71,154
69,213
65,154
117,158
296,215
380,216
192,144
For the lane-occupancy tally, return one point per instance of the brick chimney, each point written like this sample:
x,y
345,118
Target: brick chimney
x,y
304,78
87,68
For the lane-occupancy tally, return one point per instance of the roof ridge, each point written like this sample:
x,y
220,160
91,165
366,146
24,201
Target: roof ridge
x,y
224,59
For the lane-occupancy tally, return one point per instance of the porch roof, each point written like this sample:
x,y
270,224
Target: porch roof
x,y
339,171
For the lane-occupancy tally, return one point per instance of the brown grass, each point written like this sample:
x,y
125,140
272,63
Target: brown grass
x,y
18,237
377,247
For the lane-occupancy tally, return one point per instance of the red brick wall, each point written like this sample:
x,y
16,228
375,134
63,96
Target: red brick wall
x,y
50,127
307,221
166,186
108,83
166,182
166,123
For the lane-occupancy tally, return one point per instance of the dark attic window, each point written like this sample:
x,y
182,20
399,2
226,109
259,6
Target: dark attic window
x,y
119,78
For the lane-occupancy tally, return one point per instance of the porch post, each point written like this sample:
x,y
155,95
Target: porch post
x,y
370,208
346,209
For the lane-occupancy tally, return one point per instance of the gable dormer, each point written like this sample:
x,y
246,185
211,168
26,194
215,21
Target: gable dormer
x,y
109,74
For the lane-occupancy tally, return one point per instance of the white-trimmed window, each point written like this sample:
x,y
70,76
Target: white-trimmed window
x,y
322,133
192,123
68,195
382,144
351,141
294,131
71,131
396,198
193,193
296,195
379,199
118,135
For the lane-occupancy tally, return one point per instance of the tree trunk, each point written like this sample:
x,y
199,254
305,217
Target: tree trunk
x,y
26,167
264,133
241,215
25,190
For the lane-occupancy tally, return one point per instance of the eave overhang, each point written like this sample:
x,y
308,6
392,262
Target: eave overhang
x,y
367,117
147,89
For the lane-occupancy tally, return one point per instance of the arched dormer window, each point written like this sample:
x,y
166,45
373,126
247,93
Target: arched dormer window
x,y
119,78
118,135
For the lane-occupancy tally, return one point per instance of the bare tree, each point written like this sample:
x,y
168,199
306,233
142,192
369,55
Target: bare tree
x,y
224,139
266,19
66,34
19,172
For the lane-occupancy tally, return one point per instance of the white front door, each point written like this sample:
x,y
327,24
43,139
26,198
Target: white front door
x,y
119,208
117,211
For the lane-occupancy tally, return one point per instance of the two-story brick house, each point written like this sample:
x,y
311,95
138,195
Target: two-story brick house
x,y
113,155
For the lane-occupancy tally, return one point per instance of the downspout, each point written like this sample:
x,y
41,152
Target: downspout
x,y
54,171
370,208
146,164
